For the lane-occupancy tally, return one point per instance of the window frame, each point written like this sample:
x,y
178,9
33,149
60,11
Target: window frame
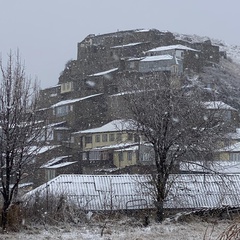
x,y
97,138
129,155
111,137
104,137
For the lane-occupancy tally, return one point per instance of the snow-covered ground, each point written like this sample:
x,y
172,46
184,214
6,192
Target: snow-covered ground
x,y
129,229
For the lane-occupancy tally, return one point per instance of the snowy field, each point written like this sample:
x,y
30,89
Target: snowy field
x,y
126,229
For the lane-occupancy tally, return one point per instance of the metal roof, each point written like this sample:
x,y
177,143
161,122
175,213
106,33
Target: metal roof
x,y
118,192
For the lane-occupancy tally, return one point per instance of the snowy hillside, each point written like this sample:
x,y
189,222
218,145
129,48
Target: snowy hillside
x,y
225,76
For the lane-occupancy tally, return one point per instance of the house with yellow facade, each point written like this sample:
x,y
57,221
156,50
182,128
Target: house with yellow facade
x,y
231,149
113,145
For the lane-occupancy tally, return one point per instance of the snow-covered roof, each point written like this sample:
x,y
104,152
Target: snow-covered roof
x,y
23,185
130,148
62,128
157,58
60,165
223,167
135,59
118,192
55,124
41,109
172,47
54,161
39,150
113,126
120,146
128,92
127,45
232,148
103,73
122,93
142,30
70,101
234,135
218,105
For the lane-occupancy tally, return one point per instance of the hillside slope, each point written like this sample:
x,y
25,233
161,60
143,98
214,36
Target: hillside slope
x,y
225,76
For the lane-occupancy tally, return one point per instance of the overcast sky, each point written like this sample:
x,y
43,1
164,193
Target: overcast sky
x,y
47,31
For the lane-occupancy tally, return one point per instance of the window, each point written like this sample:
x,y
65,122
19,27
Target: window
x,y
97,138
111,137
84,156
59,136
132,65
33,160
88,139
105,156
130,136
61,110
146,156
94,155
51,174
235,157
120,156
119,137
66,87
129,156
136,138
104,138
227,115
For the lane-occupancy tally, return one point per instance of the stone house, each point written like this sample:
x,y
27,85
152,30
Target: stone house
x,y
210,53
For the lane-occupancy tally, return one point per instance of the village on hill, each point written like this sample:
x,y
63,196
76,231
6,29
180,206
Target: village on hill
x,y
93,153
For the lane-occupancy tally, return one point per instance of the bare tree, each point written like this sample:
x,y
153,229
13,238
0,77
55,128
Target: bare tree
x,y
175,121
19,129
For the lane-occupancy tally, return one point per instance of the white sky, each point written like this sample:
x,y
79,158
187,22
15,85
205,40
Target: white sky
x,y
47,31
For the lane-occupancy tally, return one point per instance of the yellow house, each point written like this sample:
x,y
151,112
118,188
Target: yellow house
x,y
229,148
115,143
230,153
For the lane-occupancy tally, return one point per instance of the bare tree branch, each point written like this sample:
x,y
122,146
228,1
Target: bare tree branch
x,y
175,121
19,128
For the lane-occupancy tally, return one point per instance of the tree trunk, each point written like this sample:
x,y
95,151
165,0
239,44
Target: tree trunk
x,y
160,183
5,216
160,211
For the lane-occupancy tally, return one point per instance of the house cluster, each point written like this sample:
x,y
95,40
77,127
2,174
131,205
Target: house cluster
x,y
84,132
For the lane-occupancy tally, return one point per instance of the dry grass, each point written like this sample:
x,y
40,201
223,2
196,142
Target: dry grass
x,y
231,233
